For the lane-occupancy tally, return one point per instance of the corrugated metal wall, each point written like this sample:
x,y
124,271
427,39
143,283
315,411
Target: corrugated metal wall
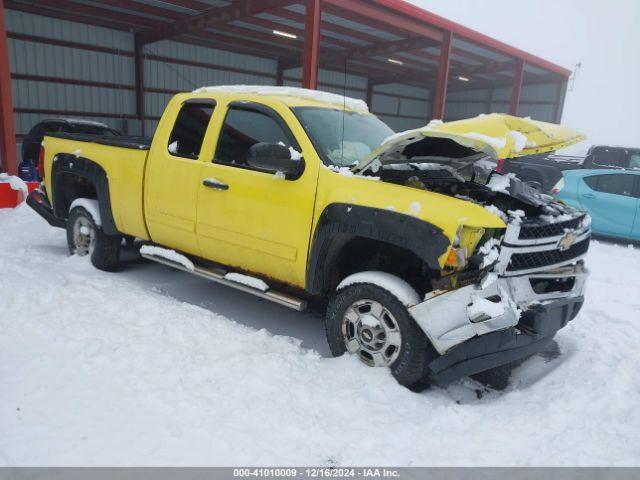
x,y
207,66
31,58
103,60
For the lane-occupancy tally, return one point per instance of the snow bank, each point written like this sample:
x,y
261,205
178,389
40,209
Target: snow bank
x,y
252,282
326,97
16,183
168,254
154,367
91,206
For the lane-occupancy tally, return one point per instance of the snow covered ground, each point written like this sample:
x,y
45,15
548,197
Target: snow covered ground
x,y
151,366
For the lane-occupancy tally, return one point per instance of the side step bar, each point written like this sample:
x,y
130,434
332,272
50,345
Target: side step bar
x,y
217,275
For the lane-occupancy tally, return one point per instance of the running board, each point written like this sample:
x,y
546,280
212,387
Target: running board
x,y
217,275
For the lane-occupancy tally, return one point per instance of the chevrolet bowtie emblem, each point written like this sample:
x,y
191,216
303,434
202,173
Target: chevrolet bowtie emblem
x,y
568,239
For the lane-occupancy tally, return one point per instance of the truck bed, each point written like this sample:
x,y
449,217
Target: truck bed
x,y
122,141
121,158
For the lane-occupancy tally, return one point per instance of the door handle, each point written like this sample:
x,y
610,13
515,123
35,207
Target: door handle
x,y
215,183
588,195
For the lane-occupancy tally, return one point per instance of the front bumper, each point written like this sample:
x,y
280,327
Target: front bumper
x,y
448,318
533,333
524,314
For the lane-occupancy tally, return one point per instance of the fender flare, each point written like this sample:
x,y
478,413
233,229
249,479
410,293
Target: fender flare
x,y
340,222
68,164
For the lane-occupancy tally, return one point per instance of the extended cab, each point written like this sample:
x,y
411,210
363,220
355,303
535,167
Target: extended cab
x,y
430,262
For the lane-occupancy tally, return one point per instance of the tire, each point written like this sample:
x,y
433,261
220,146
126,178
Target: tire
x,y
85,238
409,365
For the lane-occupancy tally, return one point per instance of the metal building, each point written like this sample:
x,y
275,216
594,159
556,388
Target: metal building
x,y
119,61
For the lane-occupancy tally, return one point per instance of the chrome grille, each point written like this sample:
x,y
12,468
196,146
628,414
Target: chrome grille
x,y
546,258
535,231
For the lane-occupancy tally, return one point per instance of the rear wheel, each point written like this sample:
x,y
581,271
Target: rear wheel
x,y
85,238
373,325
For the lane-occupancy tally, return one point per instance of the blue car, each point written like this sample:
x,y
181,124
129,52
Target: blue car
x,y
612,198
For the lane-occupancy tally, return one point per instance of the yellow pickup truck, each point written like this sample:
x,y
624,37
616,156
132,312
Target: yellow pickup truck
x,y
428,259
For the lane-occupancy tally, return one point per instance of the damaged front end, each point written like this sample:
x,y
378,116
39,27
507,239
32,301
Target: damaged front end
x,y
503,293
534,287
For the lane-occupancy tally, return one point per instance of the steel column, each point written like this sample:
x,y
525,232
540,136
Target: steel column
x,y
439,99
139,74
311,45
517,88
8,159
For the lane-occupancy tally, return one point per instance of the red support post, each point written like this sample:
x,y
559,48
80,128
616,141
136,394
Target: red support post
x,y
517,88
440,97
8,158
310,56
138,56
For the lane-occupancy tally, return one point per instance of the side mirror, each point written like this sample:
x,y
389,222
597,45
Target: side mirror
x,y
274,157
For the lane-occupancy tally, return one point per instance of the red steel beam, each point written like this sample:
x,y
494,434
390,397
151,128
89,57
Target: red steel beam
x,y
392,20
67,43
401,7
8,158
189,4
443,77
74,113
311,52
70,81
517,88
74,16
213,17
130,19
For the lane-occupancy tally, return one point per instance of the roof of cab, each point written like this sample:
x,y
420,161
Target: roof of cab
x,y
291,96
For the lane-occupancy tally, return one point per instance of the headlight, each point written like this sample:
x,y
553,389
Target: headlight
x,y
464,242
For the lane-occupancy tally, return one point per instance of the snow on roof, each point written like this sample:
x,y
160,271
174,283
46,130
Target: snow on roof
x,y
304,93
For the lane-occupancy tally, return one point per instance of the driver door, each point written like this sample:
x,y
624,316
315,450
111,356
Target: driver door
x,y
250,219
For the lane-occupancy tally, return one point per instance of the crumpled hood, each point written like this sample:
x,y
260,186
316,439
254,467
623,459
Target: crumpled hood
x,y
496,135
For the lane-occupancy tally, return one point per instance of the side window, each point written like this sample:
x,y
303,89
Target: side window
x,y
634,160
243,128
610,158
191,125
592,182
616,184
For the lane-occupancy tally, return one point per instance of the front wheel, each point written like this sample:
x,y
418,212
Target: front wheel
x,y
85,238
373,325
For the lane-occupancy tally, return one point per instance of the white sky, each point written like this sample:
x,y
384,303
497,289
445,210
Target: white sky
x,y
604,36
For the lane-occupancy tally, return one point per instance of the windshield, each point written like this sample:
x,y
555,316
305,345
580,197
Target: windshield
x,y
342,138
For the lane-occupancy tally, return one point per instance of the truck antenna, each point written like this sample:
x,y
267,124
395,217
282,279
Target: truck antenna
x,y
344,108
